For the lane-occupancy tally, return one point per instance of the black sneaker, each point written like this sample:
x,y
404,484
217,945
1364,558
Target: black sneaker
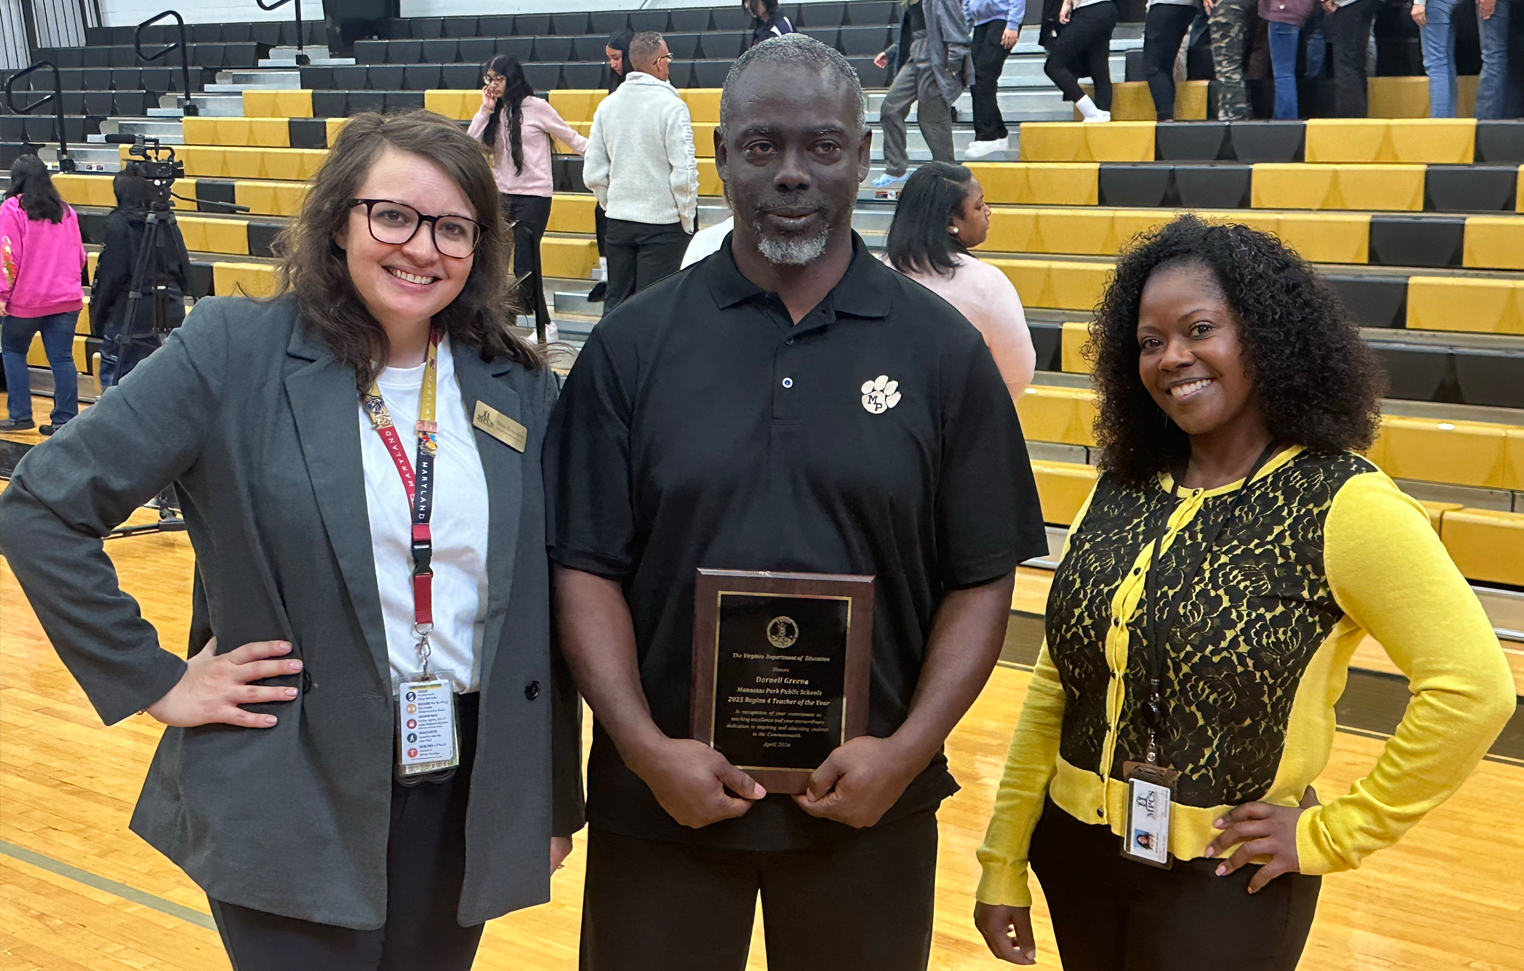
x,y
16,425
598,292
48,429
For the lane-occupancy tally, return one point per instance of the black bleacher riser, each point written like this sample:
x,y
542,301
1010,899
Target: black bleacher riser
x,y
1470,188
1048,341
1403,240
1375,300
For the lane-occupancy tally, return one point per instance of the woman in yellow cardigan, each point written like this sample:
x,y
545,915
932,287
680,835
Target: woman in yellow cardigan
x,y
1234,553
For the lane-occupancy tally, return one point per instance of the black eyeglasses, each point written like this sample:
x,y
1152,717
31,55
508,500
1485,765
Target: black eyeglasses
x,y
396,223
492,79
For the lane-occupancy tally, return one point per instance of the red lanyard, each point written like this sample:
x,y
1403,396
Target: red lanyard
x,y
419,486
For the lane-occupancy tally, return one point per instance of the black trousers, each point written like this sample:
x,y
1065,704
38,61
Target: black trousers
x,y
1163,30
989,60
425,865
864,901
639,254
1349,31
1083,48
1112,914
600,227
529,216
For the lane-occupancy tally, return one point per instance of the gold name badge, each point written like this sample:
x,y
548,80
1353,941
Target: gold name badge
x,y
500,426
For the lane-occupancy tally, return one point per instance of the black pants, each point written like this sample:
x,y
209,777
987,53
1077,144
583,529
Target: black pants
x,y
639,254
1112,914
600,227
529,216
425,864
863,901
1163,31
1349,30
1083,48
989,60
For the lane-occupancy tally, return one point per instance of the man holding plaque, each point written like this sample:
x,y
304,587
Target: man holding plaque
x,y
825,450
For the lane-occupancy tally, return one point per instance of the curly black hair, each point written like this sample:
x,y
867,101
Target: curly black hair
x,y
1319,385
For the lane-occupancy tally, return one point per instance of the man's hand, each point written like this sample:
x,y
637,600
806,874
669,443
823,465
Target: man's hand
x,y
1420,14
1329,6
882,60
1486,8
213,686
1261,830
1066,11
1010,37
694,783
1008,932
858,782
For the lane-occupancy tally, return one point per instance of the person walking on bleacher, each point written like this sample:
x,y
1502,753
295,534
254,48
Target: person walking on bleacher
x,y
1349,31
1083,46
931,68
41,256
997,28
1164,26
642,167
520,130
126,228
617,50
767,21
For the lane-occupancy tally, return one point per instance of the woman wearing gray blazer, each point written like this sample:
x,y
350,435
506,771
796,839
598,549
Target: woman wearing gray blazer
x,y
283,785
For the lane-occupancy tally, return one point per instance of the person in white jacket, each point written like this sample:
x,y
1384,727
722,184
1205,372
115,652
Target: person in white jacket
x,y
641,165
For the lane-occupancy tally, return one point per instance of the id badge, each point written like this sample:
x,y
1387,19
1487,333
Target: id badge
x,y
1149,790
427,736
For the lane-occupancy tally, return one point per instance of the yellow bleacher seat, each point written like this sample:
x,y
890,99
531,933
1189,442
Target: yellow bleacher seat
x,y
1462,304
703,139
582,128
1457,452
571,212
1487,546
1327,237
1513,459
277,104
255,132
459,105
332,127
270,198
1064,416
1131,101
1408,97
1296,185
709,178
82,324
1070,141
1495,242
208,235
36,356
703,104
243,279
1039,183
85,190
1430,140
1076,336
576,104
1437,510
1059,284
569,258
1062,488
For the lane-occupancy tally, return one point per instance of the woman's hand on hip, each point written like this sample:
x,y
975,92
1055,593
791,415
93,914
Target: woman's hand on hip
x,y
1261,830
560,849
215,685
1007,931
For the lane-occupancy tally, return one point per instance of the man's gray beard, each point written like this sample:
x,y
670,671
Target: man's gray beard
x,y
795,250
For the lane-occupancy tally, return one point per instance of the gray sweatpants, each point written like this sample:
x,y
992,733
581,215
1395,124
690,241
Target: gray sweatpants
x,y
916,82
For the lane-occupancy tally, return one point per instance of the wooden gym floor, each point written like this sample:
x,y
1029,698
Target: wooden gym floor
x,y
78,892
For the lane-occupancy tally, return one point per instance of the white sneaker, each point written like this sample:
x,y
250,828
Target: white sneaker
x,y
1100,116
981,149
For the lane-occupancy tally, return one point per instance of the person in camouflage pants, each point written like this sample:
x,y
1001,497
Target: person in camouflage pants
x,y
1229,22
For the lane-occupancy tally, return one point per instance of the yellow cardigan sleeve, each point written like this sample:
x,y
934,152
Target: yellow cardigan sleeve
x,y
1018,805
1392,576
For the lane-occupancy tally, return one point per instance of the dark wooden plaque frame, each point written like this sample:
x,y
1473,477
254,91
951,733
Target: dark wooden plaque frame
x,y
856,590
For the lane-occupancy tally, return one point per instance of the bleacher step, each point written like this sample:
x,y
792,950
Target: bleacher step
x,y
317,57
249,78
167,130
1027,72
88,158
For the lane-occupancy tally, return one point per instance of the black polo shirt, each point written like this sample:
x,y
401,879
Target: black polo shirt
x,y
702,428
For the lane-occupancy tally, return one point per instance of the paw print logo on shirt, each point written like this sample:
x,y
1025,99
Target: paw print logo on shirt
x,y
880,394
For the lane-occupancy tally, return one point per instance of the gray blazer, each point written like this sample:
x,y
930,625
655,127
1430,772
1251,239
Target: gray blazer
x,y
256,423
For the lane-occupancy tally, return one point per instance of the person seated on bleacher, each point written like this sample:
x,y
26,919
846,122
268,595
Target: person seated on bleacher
x,y
931,68
941,214
41,256
129,341
372,750
642,167
520,130
767,21
1234,553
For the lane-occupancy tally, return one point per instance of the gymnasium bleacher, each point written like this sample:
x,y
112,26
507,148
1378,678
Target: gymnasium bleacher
x,y
1417,224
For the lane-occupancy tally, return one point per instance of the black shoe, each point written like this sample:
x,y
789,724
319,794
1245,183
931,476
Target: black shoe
x,y
16,425
598,292
48,429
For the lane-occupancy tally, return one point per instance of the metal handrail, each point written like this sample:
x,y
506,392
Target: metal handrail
x,y
181,45
301,55
65,163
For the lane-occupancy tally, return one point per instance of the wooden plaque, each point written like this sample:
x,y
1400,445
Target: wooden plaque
x,y
780,669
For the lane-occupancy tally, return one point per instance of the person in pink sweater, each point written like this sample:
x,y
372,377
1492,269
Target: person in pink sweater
x,y
519,128
41,257
941,216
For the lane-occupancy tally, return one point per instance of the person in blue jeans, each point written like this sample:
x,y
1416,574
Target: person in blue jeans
x,y
1284,20
16,335
1493,17
1438,36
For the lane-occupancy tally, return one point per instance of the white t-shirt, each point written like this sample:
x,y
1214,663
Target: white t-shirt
x,y
459,527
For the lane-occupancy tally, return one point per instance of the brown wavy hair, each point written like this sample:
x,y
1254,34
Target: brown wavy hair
x,y
313,267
